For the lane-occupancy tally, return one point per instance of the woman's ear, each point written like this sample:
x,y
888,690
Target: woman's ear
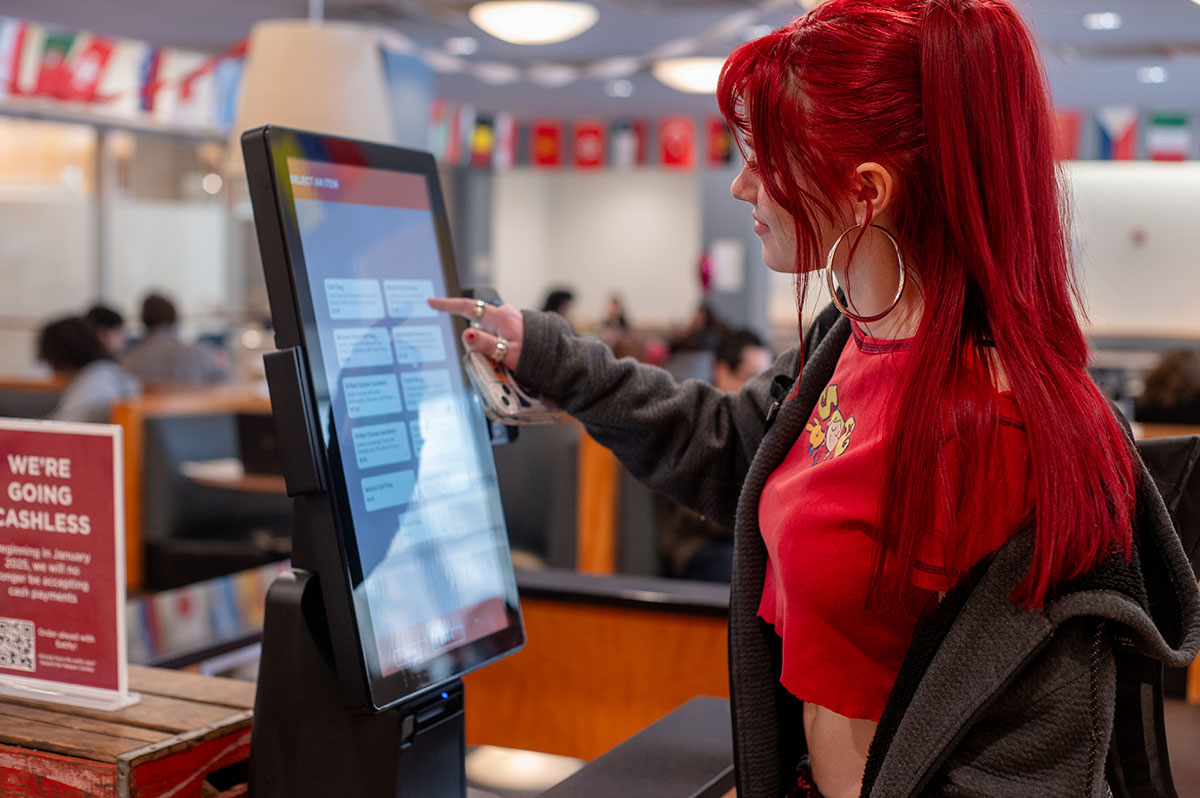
x,y
874,191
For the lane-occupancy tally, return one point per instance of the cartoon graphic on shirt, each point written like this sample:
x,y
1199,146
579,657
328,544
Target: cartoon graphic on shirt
x,y
828,430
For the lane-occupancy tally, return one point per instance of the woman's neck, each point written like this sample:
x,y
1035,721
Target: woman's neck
x,y
871,287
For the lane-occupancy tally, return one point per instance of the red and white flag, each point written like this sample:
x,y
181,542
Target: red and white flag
x,y
677,142
21,58
589,144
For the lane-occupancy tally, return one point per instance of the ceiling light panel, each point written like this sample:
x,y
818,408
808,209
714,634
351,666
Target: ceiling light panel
x,y
533,22
1103,20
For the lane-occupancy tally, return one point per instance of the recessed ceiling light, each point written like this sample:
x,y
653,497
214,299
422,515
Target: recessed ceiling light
x,y
533,21
461,45
618,88
1152,74
1103,20
691,75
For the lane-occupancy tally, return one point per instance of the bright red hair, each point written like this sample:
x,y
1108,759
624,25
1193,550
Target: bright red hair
x,y
950,96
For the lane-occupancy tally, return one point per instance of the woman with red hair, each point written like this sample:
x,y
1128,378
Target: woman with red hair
x,y
952,573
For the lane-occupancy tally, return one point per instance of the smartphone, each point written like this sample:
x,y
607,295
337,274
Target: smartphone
x,y
503,399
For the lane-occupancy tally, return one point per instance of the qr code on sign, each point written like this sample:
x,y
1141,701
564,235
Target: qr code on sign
x,y
16,644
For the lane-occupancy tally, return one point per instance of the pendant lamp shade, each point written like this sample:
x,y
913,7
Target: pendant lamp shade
x,y
325,77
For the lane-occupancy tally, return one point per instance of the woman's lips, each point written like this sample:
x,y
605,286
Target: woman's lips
x,y
759,226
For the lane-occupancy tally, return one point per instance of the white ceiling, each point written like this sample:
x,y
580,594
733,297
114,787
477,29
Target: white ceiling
x,y
1086,68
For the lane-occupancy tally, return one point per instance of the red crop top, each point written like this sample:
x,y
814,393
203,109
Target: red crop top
x,y
816,513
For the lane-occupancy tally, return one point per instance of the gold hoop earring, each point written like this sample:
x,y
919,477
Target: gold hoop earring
x,y
829,281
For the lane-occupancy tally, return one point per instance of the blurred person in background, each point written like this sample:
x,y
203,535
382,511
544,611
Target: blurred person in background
x,y
1172,390
109,326
70,347
562,302
163,357
693,546
741,355
702,333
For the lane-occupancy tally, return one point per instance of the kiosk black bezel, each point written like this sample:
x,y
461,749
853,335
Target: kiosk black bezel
x,y
330,550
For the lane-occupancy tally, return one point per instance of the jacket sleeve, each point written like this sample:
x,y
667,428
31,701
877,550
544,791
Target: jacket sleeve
x,y
1048,732
688,439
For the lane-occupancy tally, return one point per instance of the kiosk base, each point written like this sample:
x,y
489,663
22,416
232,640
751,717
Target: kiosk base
x,y
305,743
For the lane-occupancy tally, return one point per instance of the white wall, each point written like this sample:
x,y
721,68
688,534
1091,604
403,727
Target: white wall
x,y
1137,233
46,248
178,248
1137,227
635,232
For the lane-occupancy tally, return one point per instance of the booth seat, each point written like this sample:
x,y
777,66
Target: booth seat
x,y
179,531
22,397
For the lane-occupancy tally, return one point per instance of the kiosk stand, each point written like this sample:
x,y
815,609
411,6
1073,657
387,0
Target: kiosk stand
x,y
307,744
305,741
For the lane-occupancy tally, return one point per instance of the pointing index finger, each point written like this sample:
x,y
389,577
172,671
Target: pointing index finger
x,y
455,305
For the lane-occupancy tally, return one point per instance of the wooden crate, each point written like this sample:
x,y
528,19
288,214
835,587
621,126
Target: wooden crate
x,y
185,727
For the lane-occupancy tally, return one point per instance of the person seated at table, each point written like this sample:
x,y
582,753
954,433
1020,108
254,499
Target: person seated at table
x,y
109,326
1172,390
163,357
693,546
93,380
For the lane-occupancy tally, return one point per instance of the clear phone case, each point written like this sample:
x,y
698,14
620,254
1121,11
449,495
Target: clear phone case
x,y
503,399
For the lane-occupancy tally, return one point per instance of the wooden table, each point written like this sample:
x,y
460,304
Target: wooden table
x,y
230,474
185,728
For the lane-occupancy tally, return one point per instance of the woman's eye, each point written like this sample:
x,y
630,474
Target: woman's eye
x,y
752,164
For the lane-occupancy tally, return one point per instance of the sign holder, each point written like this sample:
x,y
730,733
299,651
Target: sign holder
x,y
62,564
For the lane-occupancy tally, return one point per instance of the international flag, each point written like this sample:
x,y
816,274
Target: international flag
x,y
54,74
89,59
227,76
439,129
504,156
12,34
1169,137
21,58
588,144
628,143
148,78
461,125
483,141
1066,135
677,142
720,142
1118,133
545,148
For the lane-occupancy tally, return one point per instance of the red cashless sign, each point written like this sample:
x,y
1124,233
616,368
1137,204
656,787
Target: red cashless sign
x,y
62,616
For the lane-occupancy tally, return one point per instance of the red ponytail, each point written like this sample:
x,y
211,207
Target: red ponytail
x,y
950,96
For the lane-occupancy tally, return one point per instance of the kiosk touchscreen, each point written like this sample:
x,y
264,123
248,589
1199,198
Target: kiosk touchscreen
x,y
402,579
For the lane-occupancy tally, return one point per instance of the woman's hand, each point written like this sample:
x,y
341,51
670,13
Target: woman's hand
x,y
496,323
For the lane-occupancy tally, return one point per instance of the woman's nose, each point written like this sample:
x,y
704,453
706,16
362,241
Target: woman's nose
x,y
745,185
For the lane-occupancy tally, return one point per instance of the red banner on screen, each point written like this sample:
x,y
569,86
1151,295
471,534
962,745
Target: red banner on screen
x,y
360,185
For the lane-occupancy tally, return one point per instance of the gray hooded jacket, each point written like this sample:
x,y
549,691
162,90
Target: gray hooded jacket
x,y
992,699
